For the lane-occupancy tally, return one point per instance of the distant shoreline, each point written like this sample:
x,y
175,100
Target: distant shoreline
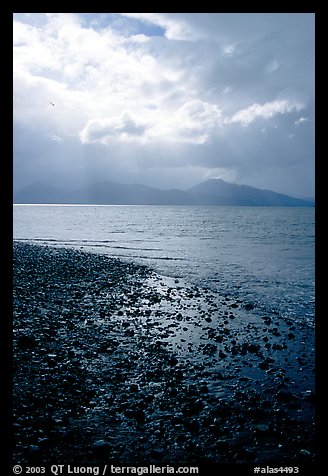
x,y
211,192
156,205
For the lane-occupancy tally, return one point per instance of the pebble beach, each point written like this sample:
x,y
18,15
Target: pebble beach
x,y
115,363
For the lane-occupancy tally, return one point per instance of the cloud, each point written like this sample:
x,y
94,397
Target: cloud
x,y
125,127
300,120
228,50
192,123
164,91
265,111
175,29
195,122
272,67
56,138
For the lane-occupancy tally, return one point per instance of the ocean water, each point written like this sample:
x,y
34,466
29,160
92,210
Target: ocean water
x,y
264,256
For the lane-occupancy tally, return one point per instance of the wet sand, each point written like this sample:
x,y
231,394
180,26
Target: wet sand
x,y
114,363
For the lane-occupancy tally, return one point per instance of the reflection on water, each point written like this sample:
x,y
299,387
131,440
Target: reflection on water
x,y
263,255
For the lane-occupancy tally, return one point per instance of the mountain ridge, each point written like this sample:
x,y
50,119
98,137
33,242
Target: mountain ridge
x,y
211,192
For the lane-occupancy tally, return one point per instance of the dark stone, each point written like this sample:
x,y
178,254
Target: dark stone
x,y
309,396
254,348
203,388
173,361
277,346
43,442
305,455
264,429
218,339
211,333
193,407
100,446
26,342
209,349
285,396
267,321
264,365
192,425
137,414
156,454
34,449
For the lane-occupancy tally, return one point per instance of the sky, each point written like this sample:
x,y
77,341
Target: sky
x,y
164,99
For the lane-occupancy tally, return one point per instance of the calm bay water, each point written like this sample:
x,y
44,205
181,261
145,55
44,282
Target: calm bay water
x,y
260,255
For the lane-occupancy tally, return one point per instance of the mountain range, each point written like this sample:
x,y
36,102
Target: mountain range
x,y
211,192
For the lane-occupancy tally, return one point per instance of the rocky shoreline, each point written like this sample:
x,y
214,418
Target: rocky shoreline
x,y
113,363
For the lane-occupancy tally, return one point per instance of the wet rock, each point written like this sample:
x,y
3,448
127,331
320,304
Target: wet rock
x,y
43,442
248,306
276,346
138,414
218,338
309,396
264,365
203,388
132,394
192,425
285,396
51,362
222,410
26,342
254,348
172,361
247,454
263,429
100,443
267,320
209,349
305,454
193,407
156,454
101,446
34,449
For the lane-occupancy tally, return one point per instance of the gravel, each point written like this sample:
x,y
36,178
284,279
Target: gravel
x,y
114,363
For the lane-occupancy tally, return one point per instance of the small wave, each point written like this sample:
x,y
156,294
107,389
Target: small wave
x,y
153,258
136,249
